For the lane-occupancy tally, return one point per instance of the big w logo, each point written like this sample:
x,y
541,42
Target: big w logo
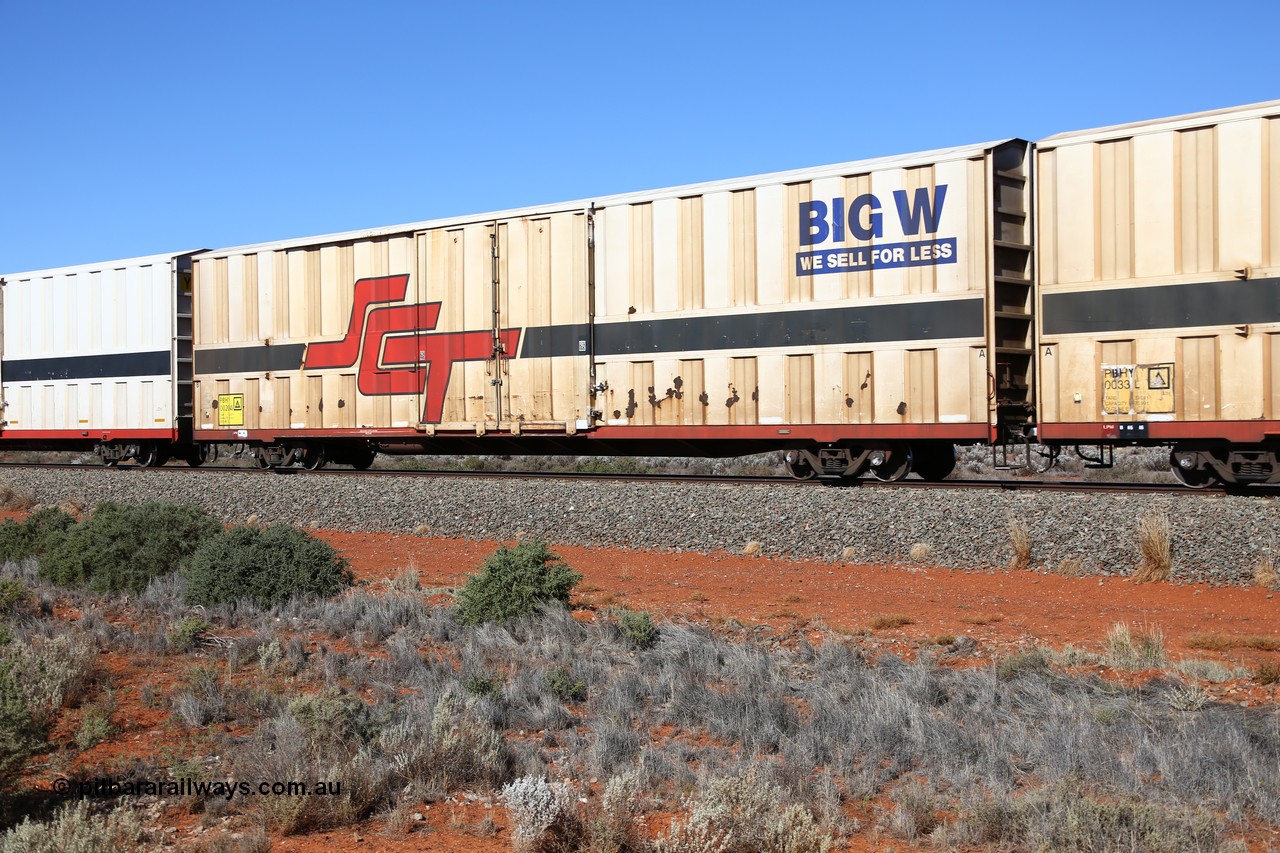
x,y
396,349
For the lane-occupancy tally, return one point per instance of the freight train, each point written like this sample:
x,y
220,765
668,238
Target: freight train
x,y
1093,289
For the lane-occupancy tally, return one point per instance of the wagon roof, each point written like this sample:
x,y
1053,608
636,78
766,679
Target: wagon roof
x,y
855,167
1157,125
141,261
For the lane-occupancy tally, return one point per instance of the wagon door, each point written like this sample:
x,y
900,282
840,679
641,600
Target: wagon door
x,y
454,344
540,372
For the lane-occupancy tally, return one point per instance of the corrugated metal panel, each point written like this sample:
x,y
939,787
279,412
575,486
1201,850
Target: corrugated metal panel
x,y
1159,238
89,348
792,323
399,331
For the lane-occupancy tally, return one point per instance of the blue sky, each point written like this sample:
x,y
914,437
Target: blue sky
x,y
138,128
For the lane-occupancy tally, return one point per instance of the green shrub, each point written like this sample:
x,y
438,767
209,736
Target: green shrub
x,y
482,686
21,736
1013,665
36,534
35,681
565,687
746,813
265,566
123,547
95,727
186,633
14,596
333,718
74,829
513,582
637,626
611,465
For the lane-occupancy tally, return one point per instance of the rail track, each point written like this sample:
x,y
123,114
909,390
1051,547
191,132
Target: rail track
x,y
1010,484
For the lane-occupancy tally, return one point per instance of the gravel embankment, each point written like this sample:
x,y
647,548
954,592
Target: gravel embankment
x,y
1214,539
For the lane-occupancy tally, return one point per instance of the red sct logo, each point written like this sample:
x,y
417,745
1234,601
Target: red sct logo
x,y
397,351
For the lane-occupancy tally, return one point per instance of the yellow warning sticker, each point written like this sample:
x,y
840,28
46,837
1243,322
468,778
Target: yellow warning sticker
x,y
1153,389
230,410
1137,389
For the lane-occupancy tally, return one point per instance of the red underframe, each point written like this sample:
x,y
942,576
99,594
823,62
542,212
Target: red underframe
x,y
822,433
1236,432
87,434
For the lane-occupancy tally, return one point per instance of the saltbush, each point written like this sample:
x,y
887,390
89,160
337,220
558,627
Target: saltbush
x,y
77,829
185,634
20,735
513,582
123,547
333,719
35,681
266,566
34,535
637,626
14,596
541,815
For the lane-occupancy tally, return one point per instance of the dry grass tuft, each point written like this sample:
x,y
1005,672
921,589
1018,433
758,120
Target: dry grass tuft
x,y
1131,649
920,552
890,620
422,529
73,507
11,498
1156,563
1020,539
1208,641
1266,673
1211,641
698,596
252,520
752,549
1071,567
1264,574
848,553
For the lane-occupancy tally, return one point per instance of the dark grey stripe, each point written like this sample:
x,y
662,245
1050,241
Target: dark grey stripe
x,y
1168,306
548,341
911,321
86,367
260,359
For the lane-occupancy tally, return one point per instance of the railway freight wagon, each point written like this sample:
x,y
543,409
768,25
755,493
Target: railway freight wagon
x,y
1159,291
98,357
865,316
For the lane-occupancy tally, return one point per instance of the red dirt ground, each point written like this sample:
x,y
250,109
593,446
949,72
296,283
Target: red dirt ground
x,y
1018,608
1002,611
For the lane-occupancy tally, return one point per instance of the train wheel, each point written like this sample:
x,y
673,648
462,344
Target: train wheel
x,y
1191,476
149,456
263,462
933,462
894,464
798,466
362,457
197,456
314,458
